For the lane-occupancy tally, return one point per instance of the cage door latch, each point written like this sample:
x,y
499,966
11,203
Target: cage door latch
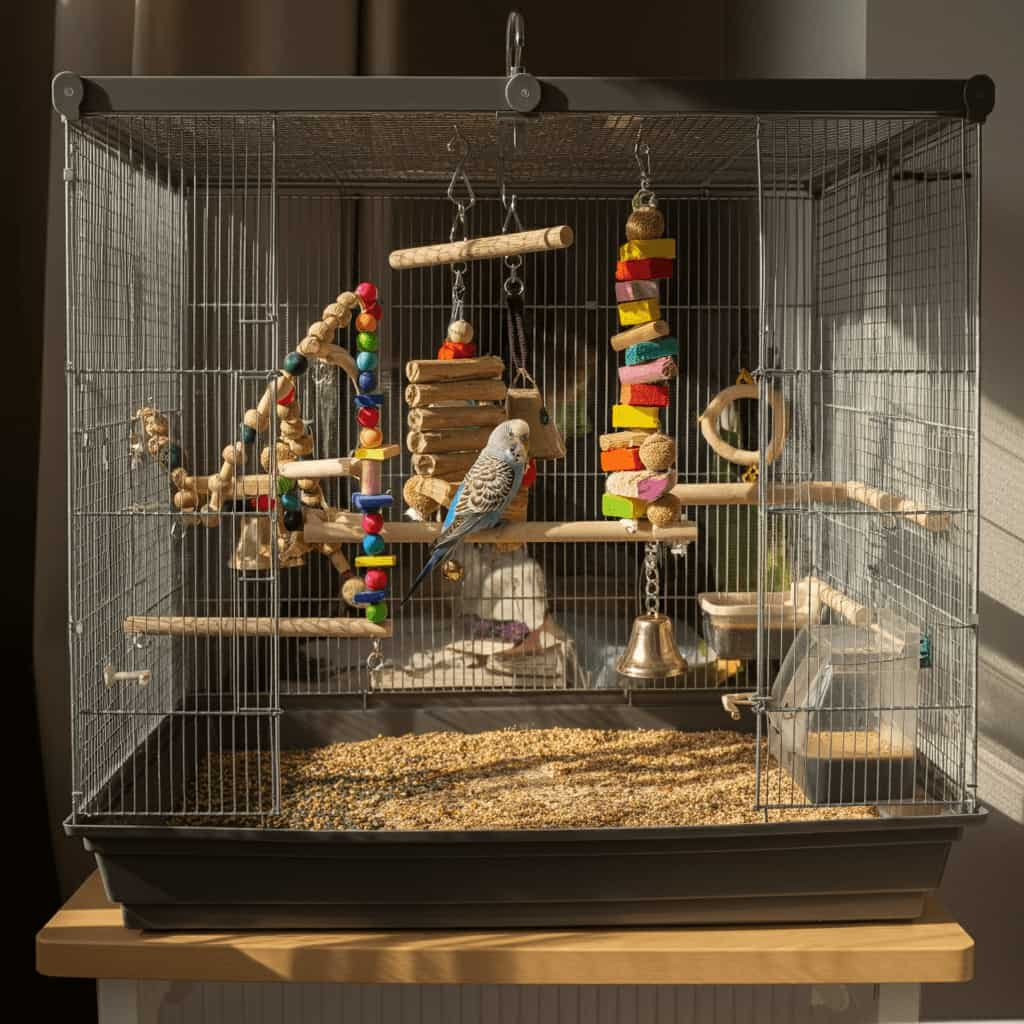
x,y
140,676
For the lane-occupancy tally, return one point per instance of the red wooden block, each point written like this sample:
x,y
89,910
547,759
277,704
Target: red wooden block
x,y
621,458
643,394
643,270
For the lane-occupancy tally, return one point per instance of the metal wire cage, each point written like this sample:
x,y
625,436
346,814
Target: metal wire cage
x,y
832,256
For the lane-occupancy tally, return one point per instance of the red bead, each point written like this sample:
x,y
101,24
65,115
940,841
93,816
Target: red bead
x,y
286,399
531,473
373,522
376,579
375,311
264,503
368,416
367,292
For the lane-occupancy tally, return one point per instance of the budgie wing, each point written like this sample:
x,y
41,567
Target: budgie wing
x,y
489,486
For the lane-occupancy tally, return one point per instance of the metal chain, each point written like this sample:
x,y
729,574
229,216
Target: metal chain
x,y
513,284
652,579
459,222
645,196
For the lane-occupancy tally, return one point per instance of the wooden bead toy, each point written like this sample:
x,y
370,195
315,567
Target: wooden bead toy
x,y
350,588
370,502
373,544
643,394
292,519
290,500
372,522
296,363
377,612
349,300
301,445
664,511
461,332
643,270
366,322
645,222
319,330
649,350
366,361
648,249
155,443
658,452
370,437
262,503
368,417
416,500
642,311
376,579
366,342
645,417
369,597
367,381
285,484
366,293
184,500
249,435
255,421
375,311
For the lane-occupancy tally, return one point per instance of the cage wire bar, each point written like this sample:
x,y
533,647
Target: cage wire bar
x,y
831,257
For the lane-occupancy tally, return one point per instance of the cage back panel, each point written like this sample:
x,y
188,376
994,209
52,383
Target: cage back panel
x,y
834,258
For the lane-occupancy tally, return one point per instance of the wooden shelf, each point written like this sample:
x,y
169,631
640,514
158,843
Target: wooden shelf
x,y
86,939
197,625
335,527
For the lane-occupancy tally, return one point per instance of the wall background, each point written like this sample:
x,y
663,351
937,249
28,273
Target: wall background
x,y
745,38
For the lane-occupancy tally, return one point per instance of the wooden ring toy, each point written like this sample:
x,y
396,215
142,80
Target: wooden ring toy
x,y
744,456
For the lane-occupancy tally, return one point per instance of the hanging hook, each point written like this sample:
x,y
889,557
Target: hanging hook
x,y
515,43
458,144
642,155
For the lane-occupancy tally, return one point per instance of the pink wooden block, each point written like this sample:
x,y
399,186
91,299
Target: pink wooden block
x,y
369,476
664,368
653,488
630,291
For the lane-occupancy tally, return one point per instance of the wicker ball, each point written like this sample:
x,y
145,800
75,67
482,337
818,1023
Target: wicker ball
x,y
664,511
645,222
416,501
658,452
352,586
460,331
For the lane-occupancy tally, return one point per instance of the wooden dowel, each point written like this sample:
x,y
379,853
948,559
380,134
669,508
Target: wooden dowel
x,y
446,465
426,371
196,625
433,442
317,468
852,611
642,332
344,527
371,474
467,416
240,487
517,243
882,501
455,391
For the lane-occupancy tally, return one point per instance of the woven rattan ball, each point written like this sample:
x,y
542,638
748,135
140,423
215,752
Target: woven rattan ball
x,y
460,331
645,222
417,501
658,452
664,511
352,586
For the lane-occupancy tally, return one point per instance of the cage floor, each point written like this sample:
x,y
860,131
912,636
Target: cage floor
x,y
517,778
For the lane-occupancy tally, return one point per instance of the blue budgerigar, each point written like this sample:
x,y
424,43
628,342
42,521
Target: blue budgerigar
x,y
488,488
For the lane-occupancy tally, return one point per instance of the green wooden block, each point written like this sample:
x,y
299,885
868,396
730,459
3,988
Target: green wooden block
x,y
622,508
645,351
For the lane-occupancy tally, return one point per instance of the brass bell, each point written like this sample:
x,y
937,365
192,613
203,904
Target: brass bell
x,y
652,652
253,549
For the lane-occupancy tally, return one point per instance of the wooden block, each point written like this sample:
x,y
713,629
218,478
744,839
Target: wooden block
x,y
618,507
644,332
425,371
642,416
464,416
621,459
447,465
455,391
628,291
664,368
389,451
623,439
648,249
454,440
645,484
643,270
647,351
644,394
375,561
640,312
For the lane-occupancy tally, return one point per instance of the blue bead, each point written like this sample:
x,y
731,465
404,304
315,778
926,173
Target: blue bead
x,y
370,596
367,381
292,520
248,434
373,544
367,360
291,500
173,456
371,502
295,363
367,400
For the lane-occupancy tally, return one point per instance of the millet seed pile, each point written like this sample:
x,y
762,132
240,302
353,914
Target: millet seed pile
x,y
508,779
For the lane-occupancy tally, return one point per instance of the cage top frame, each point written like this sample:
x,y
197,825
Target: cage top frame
x,y
75,96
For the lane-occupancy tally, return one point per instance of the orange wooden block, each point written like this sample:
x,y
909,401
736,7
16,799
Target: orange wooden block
x,y
643,394
621,458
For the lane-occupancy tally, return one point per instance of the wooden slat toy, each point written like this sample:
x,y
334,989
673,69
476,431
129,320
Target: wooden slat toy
x,y
619,459
644,417
388,451
647,351
455,391
453,440
617,507
645,484
628,291
642,311
643,270
644,394
376,561
623,439
648,249
431,371
664,368
643,332
463,416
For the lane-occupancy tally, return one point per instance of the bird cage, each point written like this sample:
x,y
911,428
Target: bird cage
x,y
774,463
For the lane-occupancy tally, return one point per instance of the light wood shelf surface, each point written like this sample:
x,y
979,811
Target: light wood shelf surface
x,y
86,939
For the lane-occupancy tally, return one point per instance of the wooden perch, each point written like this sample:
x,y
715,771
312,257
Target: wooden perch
x,y
489,247
196,625
426,371
455,391
240,487
467,416
313,469
434,442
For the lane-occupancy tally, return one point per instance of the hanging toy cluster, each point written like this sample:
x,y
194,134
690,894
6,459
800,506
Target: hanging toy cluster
x,y
638,456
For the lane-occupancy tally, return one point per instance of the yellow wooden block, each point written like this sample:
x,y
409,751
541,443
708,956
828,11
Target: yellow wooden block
x,y
389,451
649,249
640,312
644,417
375,561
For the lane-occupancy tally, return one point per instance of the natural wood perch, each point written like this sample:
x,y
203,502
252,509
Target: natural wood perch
x,y
455,391
467,416
488,247
427,371
196,625
314,469
241,487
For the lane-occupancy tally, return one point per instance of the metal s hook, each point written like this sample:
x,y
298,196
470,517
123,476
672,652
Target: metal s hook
x,y
458,144
515,43
642,156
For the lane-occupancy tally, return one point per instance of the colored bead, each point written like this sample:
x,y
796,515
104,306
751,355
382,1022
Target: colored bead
x,y
287,399
366,322
376,579
296,364
264,503
457,350
375,311
369,597
367,292
292,519
460,332
363,401
369,417
351,589
373,544
285,484
173,455
373,522
370,437
290,500
366,361
366,342
367,381
377,612
371,502
248,434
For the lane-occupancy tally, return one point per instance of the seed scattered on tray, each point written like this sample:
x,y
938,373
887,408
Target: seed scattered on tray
x,y
507,779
